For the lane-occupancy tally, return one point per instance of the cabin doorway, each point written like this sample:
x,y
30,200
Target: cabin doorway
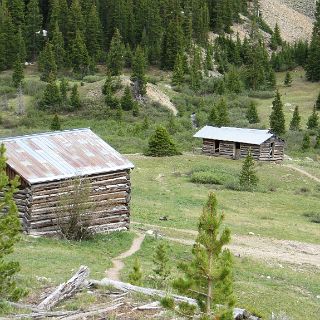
x,y
217,146
237,151
272,150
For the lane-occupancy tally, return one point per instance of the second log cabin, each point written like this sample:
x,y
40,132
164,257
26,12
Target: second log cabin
x,y
235,143
46,164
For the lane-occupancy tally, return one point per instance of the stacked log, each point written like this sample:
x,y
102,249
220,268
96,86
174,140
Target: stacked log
x,y
272,150
109,199
208,147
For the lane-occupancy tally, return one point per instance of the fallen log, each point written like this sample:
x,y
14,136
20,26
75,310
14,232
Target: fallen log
x,y
127,287
65,290
84,315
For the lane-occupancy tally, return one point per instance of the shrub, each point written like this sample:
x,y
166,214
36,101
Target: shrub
x,y
205,178
313,217
161,144
167,302
92,78
261,94
135,276
74,212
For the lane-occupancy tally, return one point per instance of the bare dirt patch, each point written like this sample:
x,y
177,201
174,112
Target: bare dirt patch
x,y
262,248
114,272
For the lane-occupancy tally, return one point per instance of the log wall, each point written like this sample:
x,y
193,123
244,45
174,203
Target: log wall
x,y
109,197
271,150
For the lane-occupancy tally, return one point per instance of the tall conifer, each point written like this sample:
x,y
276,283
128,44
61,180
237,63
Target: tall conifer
x,y
277,120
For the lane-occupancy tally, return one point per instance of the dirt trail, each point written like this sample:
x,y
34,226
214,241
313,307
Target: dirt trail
x,y
309,175
262,248
114,272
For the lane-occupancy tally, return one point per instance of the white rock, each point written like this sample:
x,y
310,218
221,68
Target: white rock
x,y
150,232
251,233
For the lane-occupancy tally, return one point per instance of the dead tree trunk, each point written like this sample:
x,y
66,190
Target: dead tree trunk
x,y
65,290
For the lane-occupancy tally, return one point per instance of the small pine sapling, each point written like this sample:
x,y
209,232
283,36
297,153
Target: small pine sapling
x,y
75,97
288,79
135,275
160,260
248,177
295,121
127,102
55,124
313,120
208,276
306,142
252,113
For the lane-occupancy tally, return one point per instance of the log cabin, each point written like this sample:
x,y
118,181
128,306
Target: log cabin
x,y
47,162
234,143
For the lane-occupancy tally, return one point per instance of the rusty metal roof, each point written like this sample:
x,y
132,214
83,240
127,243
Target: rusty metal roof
x,y
62,154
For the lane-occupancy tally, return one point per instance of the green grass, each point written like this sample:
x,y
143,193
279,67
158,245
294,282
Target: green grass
x,y
162,187
259,287
58,260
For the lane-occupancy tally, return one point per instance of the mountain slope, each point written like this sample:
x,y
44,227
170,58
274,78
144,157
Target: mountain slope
x,y
293,24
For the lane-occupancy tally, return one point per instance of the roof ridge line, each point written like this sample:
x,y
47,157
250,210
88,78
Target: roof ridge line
x,y
48,133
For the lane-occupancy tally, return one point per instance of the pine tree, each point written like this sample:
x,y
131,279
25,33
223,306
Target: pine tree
x,y
17,75
196,69
79,56
222,113
21,46
9,234
160,261
135,276
208,277
76,23
116,54
277,120
276,39
306,143
288,79
313,120
33,25
252,113
233,81
160,144
64,90
75,98
139,72
55,123
93,33
248,178
51,96
108,91
17,8
127,102
47,63
318,102
58,47
178,70
296,119
172,44
212,118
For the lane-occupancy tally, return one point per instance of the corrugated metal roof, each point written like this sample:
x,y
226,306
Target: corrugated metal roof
x,y
62,154
250,136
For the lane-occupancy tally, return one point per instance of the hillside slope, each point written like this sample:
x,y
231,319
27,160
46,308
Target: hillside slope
x,y
306,7
293,24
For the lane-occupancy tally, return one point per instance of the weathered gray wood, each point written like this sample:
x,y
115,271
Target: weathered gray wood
x,y
65,290
237,312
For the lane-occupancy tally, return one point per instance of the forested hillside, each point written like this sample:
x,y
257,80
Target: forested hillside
x,y
119,60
